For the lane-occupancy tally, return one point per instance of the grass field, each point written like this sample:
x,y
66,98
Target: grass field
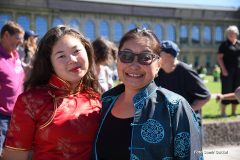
x,y
211,110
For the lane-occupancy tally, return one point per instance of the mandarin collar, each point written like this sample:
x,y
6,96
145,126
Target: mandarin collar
x,y
58,83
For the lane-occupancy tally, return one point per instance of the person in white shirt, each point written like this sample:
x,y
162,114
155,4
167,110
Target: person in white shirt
x,y
103,58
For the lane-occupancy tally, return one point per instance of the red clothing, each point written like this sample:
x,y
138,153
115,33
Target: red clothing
x,y
54,123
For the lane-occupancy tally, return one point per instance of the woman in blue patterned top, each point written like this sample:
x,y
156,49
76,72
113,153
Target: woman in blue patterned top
x,y
139,119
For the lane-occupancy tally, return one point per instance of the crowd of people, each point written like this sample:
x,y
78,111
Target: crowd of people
x,y
64,97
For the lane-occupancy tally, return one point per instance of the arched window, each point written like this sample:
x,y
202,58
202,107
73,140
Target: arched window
x,y
118,32
104,29
159,31
24,22
183,34
171,32
3,19
146,26
74,24
195,34
89,29
131,26
41,26
207,35
56,22
218,34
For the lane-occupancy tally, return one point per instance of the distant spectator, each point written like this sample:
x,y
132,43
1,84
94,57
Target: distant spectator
x,y
216,73
202,72
113,65
103,58
11,74
29,47
229,61
178,77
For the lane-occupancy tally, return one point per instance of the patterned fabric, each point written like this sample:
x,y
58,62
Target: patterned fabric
x,y
152,131
182,144
139,99
167,158
164,128
172,107
134,157
54,122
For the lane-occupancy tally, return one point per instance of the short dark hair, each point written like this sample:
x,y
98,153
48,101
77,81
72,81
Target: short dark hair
x,y
42,66
12,28
137,33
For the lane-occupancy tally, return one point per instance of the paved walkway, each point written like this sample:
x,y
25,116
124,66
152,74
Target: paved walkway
x,y
222,153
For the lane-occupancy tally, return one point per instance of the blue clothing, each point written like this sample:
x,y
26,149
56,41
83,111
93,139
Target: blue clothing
x,y
164,126
4,123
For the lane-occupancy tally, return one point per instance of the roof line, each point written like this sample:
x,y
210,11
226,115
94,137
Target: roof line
x,y
164,4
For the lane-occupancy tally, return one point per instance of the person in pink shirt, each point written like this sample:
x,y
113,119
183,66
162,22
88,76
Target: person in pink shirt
x,y
11,74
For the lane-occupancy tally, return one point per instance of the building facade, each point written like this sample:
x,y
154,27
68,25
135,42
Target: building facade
x,y
198,30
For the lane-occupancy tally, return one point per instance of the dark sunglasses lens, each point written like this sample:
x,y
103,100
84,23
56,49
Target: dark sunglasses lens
x,y
145,58
126,57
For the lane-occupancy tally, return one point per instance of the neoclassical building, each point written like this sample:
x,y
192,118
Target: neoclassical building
x,y
198,30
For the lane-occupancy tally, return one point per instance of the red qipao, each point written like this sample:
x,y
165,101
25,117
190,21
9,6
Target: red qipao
x,y
55,123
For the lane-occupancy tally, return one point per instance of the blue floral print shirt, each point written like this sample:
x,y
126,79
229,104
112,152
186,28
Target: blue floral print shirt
x,y
164,126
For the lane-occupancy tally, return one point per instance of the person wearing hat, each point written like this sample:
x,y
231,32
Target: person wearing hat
x,y
180,78
29,48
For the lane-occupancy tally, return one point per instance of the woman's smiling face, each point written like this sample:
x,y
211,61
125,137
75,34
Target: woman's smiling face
x,y
135,75
69,59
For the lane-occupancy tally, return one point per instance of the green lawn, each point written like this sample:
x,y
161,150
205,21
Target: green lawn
x,y
214,87
211,110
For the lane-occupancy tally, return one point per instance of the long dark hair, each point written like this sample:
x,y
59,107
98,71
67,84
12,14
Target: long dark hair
x,y
42,66
137,33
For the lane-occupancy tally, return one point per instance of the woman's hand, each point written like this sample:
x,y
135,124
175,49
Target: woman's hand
x,y
224,73
219,97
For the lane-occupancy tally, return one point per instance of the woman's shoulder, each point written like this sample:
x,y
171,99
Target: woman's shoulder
x,y
175,102
36,93
171,97
34,101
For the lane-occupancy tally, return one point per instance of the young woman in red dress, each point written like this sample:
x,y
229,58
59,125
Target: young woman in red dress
x,y
57,116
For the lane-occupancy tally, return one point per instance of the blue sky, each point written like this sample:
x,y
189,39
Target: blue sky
x,y
226,3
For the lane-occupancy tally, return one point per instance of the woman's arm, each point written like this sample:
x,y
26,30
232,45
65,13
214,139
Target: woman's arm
x,y
222,65
11,154
228,96
187,133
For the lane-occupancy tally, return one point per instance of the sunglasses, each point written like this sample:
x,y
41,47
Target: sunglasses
x,y
144,58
